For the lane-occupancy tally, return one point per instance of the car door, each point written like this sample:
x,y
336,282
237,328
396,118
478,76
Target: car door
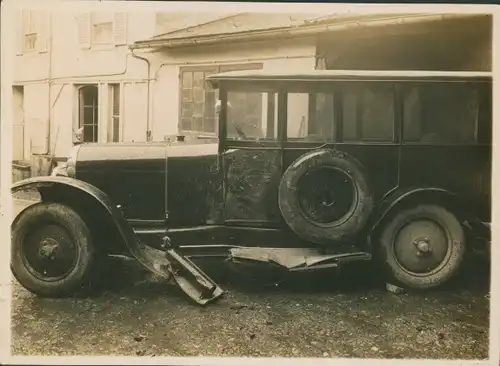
x,y
252,160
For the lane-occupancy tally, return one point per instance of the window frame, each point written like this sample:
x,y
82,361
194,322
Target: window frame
x,y
115,98
80,112
478,138
30,24
340,92
207,70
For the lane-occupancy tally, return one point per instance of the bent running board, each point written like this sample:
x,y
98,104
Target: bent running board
x,y
296,259
191,279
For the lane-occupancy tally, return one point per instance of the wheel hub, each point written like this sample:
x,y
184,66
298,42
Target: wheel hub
x,y
421,246
49,252
48,248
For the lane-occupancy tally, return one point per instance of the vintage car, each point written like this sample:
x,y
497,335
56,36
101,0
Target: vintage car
x,y
310,170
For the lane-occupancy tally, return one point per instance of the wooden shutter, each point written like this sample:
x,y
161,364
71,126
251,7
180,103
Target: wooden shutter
x,y
120,28
43,31
19,33
84,30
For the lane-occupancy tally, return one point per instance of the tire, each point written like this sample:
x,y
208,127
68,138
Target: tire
x,y
452,246
337,229
55,225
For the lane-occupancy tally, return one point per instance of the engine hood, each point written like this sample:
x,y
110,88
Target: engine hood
x,y
121,152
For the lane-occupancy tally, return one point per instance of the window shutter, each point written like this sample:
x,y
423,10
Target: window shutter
x,y
84,30
120,28
43,31
19,33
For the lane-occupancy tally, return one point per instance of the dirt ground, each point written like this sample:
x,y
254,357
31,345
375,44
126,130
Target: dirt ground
x,y
346,314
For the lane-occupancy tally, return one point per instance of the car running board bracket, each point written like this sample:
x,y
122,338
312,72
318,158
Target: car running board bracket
x,y
189,277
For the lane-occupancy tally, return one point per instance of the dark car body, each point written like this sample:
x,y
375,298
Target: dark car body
x,y
212,195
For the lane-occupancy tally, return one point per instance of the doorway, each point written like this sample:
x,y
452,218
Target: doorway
x,y
18,133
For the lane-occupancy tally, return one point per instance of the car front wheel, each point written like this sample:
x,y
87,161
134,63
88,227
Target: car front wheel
x,y
423,246
52,250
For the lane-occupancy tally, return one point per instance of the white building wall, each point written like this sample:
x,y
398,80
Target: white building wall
x,y
63,66
274,55
66,62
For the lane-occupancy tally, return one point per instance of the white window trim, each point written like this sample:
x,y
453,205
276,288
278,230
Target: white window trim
x,y
27,30
76,109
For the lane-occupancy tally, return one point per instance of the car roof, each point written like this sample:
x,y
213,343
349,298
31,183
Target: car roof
x,y
340,75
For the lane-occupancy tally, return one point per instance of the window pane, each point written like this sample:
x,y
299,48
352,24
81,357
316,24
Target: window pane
x,y
116,99
187,80
244,115
349,117
187,110
116,129
88,133
210,125
368,113
324,123
198,95
88,115
297,115
198,78
197,124
441,113
186,123
187,95
310,117
377,119
198,109
209,105
89,95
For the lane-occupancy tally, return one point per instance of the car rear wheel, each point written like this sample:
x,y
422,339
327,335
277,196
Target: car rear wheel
x,y
52,250
423,247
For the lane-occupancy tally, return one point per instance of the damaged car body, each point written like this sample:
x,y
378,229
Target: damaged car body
x,y
310,170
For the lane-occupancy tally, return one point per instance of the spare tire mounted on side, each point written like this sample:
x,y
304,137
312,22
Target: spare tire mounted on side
x,y
324,196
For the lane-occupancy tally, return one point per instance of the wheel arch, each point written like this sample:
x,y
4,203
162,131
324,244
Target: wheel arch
x,y
401,198
92,204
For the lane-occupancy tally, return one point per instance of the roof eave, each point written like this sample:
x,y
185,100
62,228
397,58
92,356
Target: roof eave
x,y
301,31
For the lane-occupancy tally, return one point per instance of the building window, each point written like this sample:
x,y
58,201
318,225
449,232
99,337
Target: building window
x,y
368,113
441,113
30,30
88,122
114,128
102,28
198,99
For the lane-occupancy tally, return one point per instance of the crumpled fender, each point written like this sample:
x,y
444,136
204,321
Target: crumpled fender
x,y
151,258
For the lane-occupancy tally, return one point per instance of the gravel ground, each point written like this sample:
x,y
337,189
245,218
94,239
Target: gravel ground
x,y
347,315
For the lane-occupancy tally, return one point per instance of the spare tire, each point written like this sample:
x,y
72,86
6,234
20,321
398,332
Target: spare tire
x,y
324,196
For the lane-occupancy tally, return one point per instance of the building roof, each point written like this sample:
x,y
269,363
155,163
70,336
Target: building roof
x,y
336,75
255,26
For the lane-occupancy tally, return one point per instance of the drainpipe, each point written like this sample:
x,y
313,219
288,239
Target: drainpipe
x,y
148,122
49,81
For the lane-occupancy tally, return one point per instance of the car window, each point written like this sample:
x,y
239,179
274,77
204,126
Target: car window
x,y
368,113
310,117
441,113
248,117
